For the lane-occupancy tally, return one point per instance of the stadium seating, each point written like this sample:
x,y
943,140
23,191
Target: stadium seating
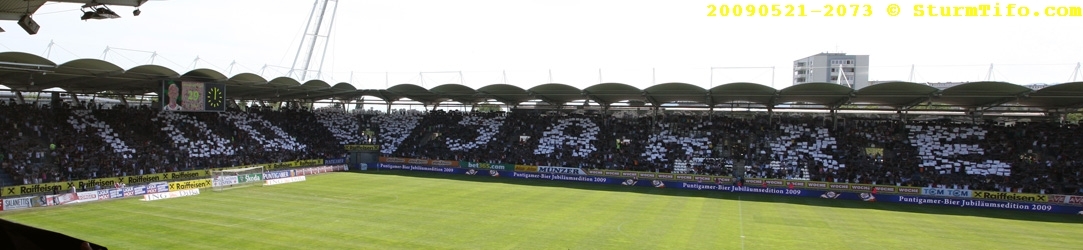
x,y
395,127
487,129
801,141
271,138
197,142
84,120
579,144
341,124
1038,157
940,146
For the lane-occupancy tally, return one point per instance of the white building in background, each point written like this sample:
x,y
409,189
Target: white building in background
x,y
849,70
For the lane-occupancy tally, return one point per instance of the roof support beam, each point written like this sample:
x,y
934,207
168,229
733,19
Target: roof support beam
x,y
998,103
916,102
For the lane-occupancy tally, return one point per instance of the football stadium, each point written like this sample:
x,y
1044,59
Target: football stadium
x,y
112,153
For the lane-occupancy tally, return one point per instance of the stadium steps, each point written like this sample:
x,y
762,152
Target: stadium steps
x,y
6,179
428,137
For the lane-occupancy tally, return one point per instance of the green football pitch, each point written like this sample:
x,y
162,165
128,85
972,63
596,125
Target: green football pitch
x,y
412,210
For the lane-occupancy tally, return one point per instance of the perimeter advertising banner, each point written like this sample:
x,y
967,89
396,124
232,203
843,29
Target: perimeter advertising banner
x,y
560,170
193,96
171,194
192,184
526,168
362,147
157,187
60,199
276,174
18,203
222,181
828,186
728,187
1066,199
154,189
284,180
1019,206
116,193
12,191
87,196
760,182
442,163
292,164
946,192
104,182
1010,196
334,161
316,170
494,166
135,190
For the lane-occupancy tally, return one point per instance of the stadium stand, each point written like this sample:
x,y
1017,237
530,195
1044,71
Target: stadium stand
x,y
396,127
937,153
87,141
300,125
341,125
454,134
263,133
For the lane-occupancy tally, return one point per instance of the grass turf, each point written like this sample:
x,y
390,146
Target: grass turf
x,y
413,210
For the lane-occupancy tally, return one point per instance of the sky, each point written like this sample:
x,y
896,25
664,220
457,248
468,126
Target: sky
x,y
375,44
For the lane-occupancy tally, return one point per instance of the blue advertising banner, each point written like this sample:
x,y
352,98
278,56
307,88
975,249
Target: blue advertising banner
x,y
334,161
1018,206
116,193
385,166
276,174
727,187
135,190
564,177
157,187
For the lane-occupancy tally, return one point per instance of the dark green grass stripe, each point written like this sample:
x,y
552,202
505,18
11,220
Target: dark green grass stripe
x,y
408,210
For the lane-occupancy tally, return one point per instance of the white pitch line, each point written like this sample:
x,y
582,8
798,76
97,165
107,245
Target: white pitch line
x,y
741,221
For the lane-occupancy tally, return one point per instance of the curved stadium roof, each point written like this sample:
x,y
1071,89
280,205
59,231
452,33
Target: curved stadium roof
x,y
27,72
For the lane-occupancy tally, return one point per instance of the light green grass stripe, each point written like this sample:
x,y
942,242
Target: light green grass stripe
x,y
408,210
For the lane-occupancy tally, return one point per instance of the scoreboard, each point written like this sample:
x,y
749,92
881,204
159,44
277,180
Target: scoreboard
x,y
193,96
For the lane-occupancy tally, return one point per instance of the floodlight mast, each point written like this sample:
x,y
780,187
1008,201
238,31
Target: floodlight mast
x,y
1076,73
306,50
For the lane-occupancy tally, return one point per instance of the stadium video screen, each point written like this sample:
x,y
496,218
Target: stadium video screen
x,y
193,96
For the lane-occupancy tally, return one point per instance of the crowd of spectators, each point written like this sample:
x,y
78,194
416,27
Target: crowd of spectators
x,y
23,132
456,135
302,127
395,127
1038,157
81,141
44,144
343,126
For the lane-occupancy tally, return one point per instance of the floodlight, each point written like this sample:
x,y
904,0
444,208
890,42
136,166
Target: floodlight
x,y
136,12
106,13
93,12
29,24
